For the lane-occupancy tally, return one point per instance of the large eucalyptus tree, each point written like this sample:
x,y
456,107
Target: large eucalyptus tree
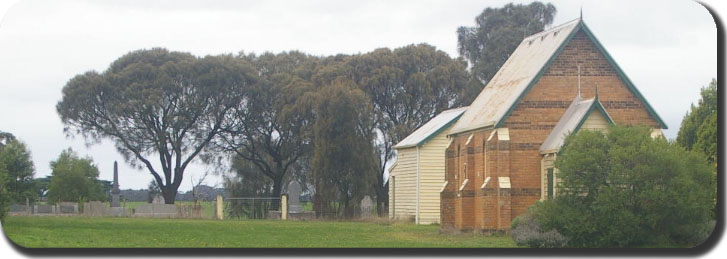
x,y
157,104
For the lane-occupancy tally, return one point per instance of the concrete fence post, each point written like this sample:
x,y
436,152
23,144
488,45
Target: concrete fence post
x,y
284,207
220,213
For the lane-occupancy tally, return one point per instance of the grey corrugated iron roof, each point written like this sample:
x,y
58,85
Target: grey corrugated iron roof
x,y
522,69
503,90
570,121
431,128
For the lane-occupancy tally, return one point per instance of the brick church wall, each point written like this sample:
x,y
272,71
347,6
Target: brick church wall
x,y
529,124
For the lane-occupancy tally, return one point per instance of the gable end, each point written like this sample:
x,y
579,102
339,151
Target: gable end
x,y
608,58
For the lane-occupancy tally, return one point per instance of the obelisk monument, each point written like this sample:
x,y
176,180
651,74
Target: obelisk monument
x,y
115,192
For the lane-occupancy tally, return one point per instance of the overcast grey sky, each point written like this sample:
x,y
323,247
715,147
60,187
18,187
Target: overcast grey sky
x,y
667,48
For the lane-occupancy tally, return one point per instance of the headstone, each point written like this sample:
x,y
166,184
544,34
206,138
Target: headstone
x,y
294,197
115,192
44,209
156,210
158,199
68,208
118,212
19,210
366,207
95,209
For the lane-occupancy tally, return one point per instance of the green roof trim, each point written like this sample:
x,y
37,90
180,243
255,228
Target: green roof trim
x,y
623,76
439,130
609,59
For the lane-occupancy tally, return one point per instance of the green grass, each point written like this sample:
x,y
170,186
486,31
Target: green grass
x,y
41,232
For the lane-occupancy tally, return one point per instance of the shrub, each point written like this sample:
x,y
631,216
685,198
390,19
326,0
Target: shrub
x,y
626,189
526,231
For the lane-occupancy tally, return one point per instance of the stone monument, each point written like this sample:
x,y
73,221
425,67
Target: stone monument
x,y
115,192
158,199
294,197
366,207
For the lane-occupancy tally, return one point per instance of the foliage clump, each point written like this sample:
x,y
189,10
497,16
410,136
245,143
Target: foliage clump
x,y
526,231
699,131
627,189
16,173
74,179
498,32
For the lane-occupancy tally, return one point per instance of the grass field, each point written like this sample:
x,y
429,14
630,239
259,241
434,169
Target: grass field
x,y
41,232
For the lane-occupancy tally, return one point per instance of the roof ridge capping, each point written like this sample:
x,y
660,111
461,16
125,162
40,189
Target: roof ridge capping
x,y
552,29
522,67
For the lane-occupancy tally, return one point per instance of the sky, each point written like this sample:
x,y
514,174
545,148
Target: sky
x,y
667,48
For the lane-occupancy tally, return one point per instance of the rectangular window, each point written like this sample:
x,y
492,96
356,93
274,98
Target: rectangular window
x,y
550,183
466,176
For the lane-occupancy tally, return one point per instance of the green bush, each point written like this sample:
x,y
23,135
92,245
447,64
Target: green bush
x,y
626,189
526,231
4,197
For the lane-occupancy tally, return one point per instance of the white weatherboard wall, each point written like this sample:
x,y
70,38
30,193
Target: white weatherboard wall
x,y
403,191
595,121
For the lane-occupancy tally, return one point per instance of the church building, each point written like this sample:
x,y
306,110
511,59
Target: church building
x,y
499,160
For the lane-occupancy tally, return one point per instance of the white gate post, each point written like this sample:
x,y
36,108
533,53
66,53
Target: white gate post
x,y
284,207
220,213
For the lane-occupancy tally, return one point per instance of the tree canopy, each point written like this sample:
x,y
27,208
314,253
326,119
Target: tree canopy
x,y
16,161
268,129
5,138
343,161
626,189
16,173
74,179
156,103
498,32
698,130
407,87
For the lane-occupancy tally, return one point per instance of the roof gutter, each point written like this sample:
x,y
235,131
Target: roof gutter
x,y
488,125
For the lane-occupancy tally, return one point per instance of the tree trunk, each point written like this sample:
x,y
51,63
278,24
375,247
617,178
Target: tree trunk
x,y
277,191
169,194
382,198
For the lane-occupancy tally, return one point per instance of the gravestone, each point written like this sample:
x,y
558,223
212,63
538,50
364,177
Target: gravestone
x,y
44,209
68,208
158,199
115,192
294,197
95,209
156,210
366,207
19,210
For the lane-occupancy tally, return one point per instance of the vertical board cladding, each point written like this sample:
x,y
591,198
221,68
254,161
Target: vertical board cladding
x,y
531,121
595,121
404,194
431,165
431,178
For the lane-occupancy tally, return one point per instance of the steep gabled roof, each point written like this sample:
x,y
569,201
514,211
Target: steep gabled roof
x,y
432,128
523,70
571,121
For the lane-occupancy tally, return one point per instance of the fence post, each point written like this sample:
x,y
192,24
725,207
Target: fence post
x,y
220,213
284,207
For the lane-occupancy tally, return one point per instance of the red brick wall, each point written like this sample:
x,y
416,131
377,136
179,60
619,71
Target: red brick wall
x,y
529,124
